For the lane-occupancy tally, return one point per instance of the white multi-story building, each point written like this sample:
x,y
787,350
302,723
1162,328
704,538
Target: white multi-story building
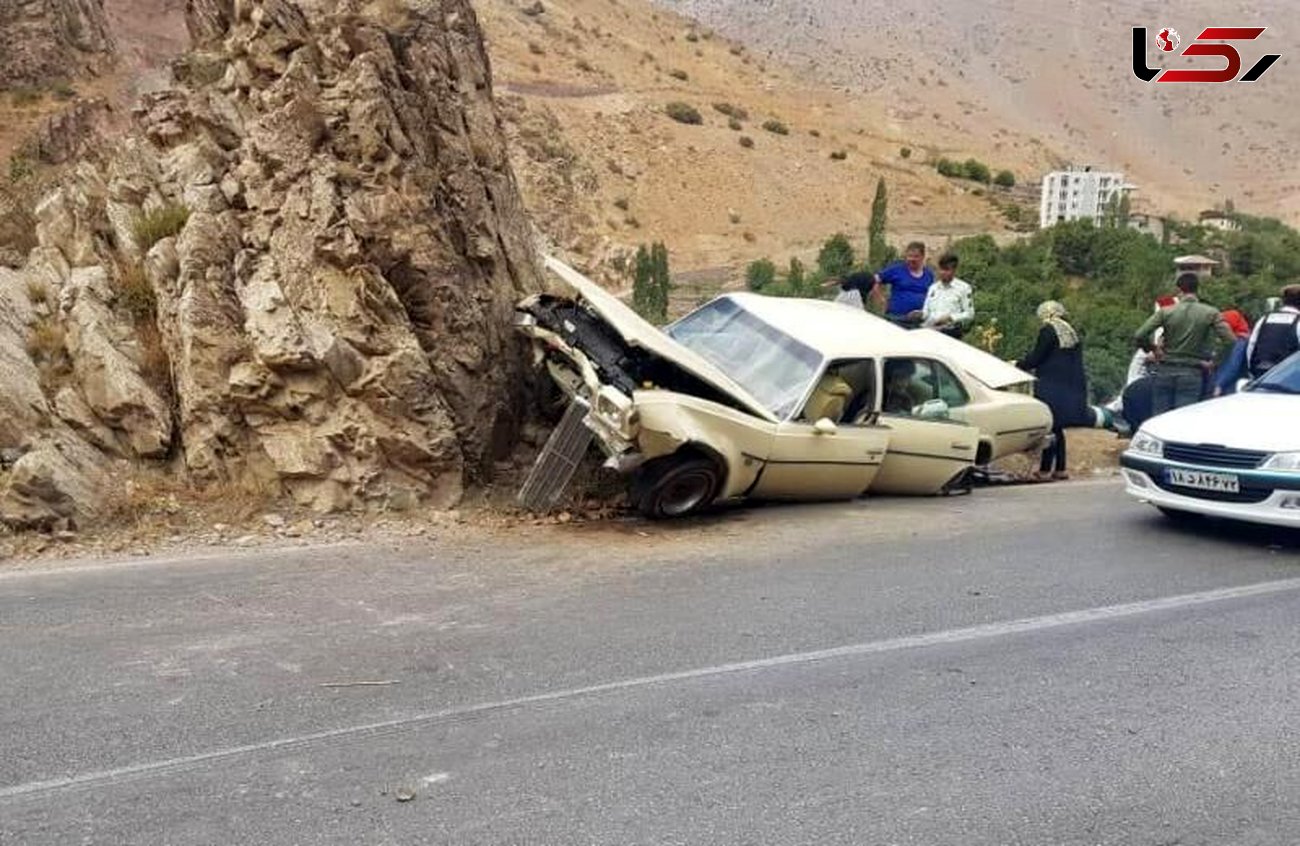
x,y
1079,193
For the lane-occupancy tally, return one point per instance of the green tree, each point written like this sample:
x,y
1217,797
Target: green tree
x,y
651,283
876,245
662,277
760,274
1005,178
796,278
836,257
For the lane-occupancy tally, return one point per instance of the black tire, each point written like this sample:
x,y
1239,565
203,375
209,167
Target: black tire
x,y
676,486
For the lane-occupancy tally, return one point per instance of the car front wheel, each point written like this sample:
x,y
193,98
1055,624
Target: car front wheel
x,y
676,486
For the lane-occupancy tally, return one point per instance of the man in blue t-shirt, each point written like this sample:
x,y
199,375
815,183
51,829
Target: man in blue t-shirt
x,y
908,281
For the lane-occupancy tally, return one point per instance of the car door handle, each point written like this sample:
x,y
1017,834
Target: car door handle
x,y
961,446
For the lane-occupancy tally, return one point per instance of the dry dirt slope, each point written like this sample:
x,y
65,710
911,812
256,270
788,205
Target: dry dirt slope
x,y
1056,71
610,158
584,84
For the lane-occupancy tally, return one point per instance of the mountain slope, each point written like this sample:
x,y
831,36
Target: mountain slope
x,y
1055,72
586,82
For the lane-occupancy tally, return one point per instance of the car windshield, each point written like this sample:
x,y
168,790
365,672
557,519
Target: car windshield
x,y
1283,379
773,367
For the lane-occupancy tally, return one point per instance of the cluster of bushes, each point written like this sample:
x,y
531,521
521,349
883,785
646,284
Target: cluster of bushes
x,y
976,171
1109,276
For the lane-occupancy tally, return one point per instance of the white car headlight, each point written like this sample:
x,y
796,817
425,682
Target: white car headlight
x,y
1283,461
1145,444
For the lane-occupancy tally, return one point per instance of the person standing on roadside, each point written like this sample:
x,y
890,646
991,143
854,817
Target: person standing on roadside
x,y
908,282
1191,328
1057,362
1276,336
949,306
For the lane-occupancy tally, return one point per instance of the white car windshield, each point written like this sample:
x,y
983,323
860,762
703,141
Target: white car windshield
x,y
773,367
1282,379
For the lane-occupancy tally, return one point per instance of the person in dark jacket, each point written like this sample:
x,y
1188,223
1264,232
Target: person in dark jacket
x,y
1057,361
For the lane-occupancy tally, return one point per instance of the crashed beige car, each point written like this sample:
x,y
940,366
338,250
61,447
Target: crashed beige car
x,y
753,396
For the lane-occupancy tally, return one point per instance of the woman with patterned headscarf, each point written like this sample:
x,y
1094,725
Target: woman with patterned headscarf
x,y
1057,361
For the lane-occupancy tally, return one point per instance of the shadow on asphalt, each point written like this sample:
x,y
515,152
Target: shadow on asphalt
x,y
1226,531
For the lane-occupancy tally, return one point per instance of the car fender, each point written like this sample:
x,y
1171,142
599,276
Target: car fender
x,y
670,421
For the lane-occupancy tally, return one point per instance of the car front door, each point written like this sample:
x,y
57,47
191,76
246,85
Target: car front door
x,y
928,448
823,453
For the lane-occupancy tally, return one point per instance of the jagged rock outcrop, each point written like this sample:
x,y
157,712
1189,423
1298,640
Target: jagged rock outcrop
x,y
302,272
46,40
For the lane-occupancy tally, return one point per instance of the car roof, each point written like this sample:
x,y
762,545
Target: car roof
x,y
833,329
840,331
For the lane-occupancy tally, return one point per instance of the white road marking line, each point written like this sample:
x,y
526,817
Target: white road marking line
x,y
156,769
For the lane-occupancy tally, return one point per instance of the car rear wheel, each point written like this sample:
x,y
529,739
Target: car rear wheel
x,y
676,486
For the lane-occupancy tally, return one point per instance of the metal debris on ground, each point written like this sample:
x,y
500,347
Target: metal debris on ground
x,y
559,460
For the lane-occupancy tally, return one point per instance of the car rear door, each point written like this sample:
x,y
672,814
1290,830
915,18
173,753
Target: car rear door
x,y
927,447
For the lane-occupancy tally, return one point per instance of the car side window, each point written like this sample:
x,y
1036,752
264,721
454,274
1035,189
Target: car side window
x,y
950,388
908,383
845,393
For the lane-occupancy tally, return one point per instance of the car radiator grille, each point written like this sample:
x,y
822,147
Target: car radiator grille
x,y
558,461
1205,455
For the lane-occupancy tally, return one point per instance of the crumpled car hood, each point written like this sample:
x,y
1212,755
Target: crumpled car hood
x,y
637,332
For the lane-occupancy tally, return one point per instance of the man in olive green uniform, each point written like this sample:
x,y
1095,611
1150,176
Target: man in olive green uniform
x,y
1190,329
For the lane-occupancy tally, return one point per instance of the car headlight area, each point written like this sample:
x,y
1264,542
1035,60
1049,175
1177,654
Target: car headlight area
x,y
1287,462
1147,445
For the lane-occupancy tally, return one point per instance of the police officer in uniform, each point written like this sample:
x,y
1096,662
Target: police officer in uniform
x,y
1276,336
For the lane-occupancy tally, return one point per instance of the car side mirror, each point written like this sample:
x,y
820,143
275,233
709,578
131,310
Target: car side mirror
x,y
825,426
935,409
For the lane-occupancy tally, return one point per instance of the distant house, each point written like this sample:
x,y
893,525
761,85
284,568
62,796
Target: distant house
x,y
1079,193
1148,223
1202,266
1223,221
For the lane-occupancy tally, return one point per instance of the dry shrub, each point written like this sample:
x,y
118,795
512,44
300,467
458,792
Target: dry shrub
x,y
684,113
154,498
37,292
164,222
47,346
45,341
134,292
731,110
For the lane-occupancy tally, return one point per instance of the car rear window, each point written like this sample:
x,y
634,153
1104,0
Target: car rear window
x,y
774,368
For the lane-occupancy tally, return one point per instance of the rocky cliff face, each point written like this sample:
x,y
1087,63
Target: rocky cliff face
x,y
46,40
300,271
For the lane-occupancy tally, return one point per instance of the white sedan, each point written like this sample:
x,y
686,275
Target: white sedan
x,y
1236,457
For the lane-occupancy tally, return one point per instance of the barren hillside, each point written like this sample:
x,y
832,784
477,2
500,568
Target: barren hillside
x,y
586,83
1055,72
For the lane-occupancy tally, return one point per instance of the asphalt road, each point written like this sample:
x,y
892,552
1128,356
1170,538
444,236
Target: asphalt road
x,y
1050,665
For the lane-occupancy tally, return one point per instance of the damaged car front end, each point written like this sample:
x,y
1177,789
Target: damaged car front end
x,y
631,390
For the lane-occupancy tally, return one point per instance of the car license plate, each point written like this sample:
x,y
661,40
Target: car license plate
x,y
1202,481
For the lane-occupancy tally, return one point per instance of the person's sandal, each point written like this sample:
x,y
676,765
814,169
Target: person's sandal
x,y
1061,476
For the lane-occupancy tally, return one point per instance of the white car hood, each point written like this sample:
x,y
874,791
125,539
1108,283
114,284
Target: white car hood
x,y
1253,420
987,368
637,332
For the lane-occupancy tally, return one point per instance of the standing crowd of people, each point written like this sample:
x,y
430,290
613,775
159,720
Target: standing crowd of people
x,y
1186,352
